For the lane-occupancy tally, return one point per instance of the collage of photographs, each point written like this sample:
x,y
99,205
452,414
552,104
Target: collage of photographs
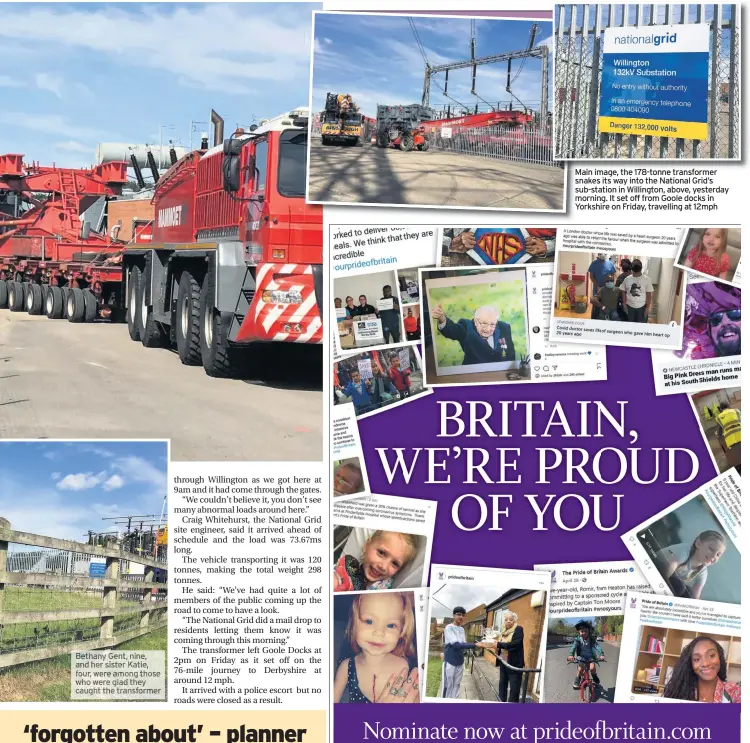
x,y
278,437
478,327
418,309
442,311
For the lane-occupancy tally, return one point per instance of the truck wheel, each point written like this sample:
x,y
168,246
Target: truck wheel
x,y
406,144
134,282
3,293
54,303
65,294
218,357
152,332
325,141
34,302
424,146
75,309
25,291
188,330
15,296
91,306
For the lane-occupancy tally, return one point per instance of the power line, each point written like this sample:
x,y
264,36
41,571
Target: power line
x,y
532,35
419,42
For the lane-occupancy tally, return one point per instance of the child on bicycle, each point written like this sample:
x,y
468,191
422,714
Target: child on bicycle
x,y
585,647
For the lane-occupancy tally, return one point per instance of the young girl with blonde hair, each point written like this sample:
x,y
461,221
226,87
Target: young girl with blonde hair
x,y
709,256
381,632
385,554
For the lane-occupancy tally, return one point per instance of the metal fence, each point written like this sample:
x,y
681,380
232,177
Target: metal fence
x,y
49,608
579,31
62,562
526,144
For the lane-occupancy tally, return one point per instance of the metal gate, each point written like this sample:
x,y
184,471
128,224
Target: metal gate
x,y
526,144
579,31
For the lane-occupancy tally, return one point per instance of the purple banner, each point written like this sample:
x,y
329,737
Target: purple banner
x,y
664,421
537,724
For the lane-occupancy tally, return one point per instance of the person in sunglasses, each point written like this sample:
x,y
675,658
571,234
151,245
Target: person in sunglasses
x,y
713,322
724,329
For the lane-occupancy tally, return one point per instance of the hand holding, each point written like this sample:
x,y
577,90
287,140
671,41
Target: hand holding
x,y
462,242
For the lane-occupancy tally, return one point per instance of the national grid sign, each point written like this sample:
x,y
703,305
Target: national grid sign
x,y
655,81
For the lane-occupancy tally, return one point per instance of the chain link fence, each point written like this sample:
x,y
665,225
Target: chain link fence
x,y
526,144
578,38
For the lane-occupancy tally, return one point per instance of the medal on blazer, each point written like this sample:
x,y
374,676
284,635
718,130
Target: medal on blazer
x,y
503,348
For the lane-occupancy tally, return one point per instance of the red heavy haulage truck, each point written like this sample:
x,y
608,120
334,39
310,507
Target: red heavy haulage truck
x,y
234,257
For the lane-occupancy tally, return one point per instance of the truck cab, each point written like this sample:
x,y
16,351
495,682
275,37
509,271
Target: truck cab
x,y
236,254
280,234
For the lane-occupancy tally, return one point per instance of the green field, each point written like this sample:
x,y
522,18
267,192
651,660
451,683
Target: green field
x,y
434,674
15,637
460,302
49,680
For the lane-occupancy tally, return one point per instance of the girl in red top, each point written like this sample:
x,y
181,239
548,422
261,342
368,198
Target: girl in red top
x,y
399,378
709,256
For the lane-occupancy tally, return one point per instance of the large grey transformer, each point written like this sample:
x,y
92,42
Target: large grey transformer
x,y
395,123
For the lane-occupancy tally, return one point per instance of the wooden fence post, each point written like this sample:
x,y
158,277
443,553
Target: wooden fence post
x,y
109,599
148,576
4,524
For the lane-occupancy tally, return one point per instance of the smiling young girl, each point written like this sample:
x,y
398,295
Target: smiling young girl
x,y
381,633
709,256
686,566
385,554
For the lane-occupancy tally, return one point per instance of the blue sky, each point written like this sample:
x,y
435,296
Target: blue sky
x,y
377,60
63,489
79,74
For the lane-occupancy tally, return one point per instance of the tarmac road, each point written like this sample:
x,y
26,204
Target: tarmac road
x,y
558,677
371,175
65,380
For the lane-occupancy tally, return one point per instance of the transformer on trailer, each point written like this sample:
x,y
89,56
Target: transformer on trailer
x,y
401,126
48,256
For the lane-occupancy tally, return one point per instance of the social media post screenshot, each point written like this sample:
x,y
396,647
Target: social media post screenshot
x,y
678,650
618,286
584,631
713,253
692,549
372,381
718,413
556,362
472,247
378,651
349,470
382,542
711,352
371,297
487,634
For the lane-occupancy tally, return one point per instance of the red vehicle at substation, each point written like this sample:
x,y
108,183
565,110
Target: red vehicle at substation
x,y
234,255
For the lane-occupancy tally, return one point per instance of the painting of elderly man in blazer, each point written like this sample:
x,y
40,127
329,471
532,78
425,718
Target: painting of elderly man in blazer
x,y
479,321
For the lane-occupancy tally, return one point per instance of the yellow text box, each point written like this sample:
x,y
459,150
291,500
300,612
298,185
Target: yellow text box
x,y
199,726
653,127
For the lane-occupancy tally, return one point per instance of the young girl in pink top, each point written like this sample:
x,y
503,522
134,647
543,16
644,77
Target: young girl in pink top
x,y
709,256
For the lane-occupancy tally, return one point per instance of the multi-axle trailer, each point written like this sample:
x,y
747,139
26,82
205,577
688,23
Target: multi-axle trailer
x,y
233,258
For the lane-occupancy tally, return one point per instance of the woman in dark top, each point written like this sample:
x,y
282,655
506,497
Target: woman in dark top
x,y
510,646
